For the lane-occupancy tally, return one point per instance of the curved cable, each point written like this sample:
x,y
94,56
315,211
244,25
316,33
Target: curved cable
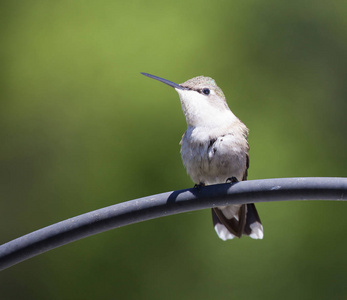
x,y
165,204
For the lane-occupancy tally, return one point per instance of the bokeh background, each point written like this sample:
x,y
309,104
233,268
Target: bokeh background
x,y
81,129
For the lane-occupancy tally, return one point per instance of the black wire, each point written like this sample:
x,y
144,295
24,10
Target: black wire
x,y
169,203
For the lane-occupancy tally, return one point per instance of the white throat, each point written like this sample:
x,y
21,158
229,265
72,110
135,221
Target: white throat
x,y
200,112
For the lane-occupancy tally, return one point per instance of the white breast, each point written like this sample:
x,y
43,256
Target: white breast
x,y
212,159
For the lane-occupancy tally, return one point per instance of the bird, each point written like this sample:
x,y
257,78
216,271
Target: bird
x,y
214,150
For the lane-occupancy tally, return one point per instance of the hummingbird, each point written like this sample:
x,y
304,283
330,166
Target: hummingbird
x,y
214,150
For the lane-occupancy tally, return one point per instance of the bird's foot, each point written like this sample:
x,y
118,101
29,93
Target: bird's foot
x,y
200,185
232,180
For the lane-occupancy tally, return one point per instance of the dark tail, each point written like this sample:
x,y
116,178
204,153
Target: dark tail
x,y
235,220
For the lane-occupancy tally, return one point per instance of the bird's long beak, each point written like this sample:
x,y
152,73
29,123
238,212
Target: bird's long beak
x,y
170,83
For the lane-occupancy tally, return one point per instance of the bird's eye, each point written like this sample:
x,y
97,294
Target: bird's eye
x,y
206,91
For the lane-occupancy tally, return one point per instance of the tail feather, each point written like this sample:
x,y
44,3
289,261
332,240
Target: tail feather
x,y
235,220
253,227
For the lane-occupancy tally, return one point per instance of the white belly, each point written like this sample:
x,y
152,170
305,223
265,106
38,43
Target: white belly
x,y
214,160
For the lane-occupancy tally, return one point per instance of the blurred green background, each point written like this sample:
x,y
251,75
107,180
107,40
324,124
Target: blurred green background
x,y
81,129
